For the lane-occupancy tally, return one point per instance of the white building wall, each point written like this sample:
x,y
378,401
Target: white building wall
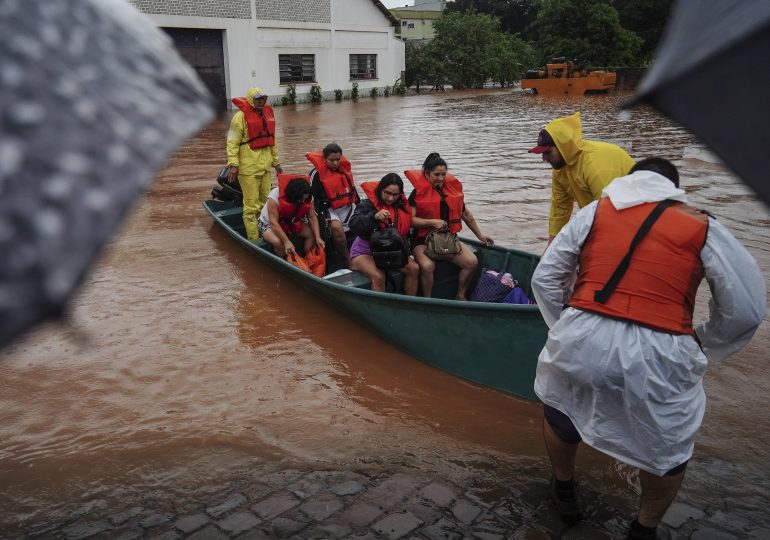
x,y
329,29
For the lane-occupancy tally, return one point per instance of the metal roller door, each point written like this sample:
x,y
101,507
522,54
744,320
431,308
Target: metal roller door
x,y
203,51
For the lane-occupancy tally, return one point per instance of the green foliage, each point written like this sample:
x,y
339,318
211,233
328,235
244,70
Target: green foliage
x,y
291,95
338,95
647,19
315,94
466,52
386,92
374,92
586,30
354,91
399,89
515,15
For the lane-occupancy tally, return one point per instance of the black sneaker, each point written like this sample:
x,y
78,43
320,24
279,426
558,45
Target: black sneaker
x,y
637,531
566,501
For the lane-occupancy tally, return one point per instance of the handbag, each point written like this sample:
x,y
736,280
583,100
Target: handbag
x,y
389,249
442,245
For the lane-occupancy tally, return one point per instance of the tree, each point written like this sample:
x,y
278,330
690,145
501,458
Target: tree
x,y
515,15
471,49
646,18
588,30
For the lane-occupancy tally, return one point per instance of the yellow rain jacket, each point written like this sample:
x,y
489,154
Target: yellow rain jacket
x,y
590,166
248,160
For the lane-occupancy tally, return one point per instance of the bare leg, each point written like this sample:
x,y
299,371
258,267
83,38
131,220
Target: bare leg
x,y
562,454
411,273
365,265
271,238
657,494
426,270
340,240
467,262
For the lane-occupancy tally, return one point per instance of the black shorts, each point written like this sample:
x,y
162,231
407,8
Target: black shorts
x,y
565,430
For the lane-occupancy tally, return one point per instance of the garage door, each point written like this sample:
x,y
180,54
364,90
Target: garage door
x,y
203,51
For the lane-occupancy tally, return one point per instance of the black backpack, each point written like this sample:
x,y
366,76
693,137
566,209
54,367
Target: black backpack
x,y
389,249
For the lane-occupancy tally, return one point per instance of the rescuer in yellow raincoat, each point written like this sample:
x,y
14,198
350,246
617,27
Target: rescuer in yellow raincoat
x,y
581,169
252,150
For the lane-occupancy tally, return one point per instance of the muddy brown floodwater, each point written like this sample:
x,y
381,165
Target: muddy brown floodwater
x,y
187,360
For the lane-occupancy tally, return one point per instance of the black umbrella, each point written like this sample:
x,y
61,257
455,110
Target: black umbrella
x,y
93,99
712,75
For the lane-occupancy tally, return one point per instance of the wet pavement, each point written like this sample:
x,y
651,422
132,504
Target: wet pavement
x,y
381,501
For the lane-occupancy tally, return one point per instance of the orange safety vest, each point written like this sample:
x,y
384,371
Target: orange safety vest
x,y
338,185
658,289
261,127
289,214
401,217
427,200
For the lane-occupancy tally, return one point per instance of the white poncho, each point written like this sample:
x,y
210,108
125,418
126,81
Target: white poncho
x,y
632,392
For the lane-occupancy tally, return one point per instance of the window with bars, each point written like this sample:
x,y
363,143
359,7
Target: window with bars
x,y
363,66
296,68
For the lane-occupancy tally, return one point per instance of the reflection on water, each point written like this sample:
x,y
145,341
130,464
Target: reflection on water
x,y
189,358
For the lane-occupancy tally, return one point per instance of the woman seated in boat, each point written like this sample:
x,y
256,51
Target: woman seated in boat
x,y
334,193
288,213
437,202
386,206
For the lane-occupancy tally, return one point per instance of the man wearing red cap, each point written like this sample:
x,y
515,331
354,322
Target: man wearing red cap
x,y
581,169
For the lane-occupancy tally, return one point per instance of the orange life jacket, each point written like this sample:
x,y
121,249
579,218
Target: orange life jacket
x,y
261,127
658,289
338,185
401,217
289,214
427,200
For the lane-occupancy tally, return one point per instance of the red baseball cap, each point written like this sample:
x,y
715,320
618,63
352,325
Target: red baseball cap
x,y
544,143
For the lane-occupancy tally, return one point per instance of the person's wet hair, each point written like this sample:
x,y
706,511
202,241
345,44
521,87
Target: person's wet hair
x,y
390,179
432,161
659,165
332,148
296,189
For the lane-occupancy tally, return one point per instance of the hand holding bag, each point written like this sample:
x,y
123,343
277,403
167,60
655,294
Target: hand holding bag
x,y
389,249
442,245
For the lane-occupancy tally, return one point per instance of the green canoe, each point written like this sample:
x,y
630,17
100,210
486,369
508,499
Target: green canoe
x,y
495,345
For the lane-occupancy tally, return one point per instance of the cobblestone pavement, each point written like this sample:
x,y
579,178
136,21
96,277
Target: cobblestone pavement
x,y
390,502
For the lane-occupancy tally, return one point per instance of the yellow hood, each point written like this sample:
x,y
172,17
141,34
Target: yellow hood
x,y
567,133
252,93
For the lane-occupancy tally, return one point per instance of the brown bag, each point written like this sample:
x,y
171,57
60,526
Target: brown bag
x,y
442,245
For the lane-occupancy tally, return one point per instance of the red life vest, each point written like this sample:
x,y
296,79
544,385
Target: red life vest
x,y
338,185
427,200
658,289
289,214
401,217
261,126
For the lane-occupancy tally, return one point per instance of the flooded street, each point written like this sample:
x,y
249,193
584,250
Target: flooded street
x,y
186,364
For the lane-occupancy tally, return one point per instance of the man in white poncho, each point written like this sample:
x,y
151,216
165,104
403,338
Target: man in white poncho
x,y
622,369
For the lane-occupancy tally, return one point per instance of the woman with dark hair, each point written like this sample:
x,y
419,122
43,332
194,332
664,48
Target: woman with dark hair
x,y
386,205
438,202
334,193
289,212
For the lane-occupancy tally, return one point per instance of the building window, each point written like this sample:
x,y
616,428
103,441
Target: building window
x,y
403,23
363,66
411,25
296,68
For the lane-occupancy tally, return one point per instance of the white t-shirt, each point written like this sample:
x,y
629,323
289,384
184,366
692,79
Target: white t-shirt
x,y
263,215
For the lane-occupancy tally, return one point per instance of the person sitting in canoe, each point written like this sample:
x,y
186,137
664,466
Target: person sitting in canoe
x,y
334,193
437,202
386,206
289,212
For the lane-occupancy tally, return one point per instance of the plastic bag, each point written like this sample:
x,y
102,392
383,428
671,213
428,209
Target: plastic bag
x,y
316,261
297,261
517,296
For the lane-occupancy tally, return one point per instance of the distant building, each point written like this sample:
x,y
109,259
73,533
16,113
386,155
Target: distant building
x,y
235,44
416,22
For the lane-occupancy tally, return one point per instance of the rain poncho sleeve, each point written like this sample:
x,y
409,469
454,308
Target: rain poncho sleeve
x,y
738,295
554,276
248,161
